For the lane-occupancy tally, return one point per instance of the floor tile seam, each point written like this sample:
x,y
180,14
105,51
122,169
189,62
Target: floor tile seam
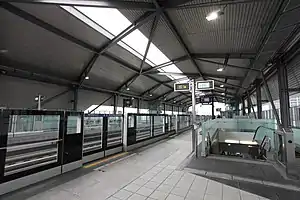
x,y
163,182
190,187
136,179
205,188
140,176
168,193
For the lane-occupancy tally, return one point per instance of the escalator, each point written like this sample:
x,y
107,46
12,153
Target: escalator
x,y
243,144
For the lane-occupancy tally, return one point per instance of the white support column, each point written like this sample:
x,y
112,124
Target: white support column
x,y
194,135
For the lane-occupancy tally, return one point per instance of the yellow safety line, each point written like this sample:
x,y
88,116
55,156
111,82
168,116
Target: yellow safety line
x,y
104,160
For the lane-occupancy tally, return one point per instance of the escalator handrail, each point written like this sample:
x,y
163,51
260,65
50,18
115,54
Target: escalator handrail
x,y
253,139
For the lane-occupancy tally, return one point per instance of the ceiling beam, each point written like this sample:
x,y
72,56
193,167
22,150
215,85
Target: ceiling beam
x,y
196,75
174,3
152,31
152,89
171,62
133,5
228,65
266,37
200,58
178,37
27,16
68,37
223,55
225,83
214,3
16,71
134,26
165,94
151,35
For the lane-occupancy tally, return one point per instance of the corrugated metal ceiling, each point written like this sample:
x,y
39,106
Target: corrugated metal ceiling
x,y
64,21
160,90
39,48
107,74
240,29
141,84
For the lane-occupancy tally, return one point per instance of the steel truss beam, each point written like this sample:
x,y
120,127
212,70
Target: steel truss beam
x,y
47,100
68,37
152,31
92,3
137,24
214,3
27,16
228,65
136,71
193,75
225,83
165,94
152,89
200,58
267,35
24,74
171,62
224,55
178,37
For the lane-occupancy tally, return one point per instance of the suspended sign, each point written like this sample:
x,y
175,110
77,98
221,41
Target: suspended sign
x,y
182,87
205,85
206,100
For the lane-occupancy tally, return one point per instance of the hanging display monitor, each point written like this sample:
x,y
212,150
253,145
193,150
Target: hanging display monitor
x,y
182,87
206,100
205,85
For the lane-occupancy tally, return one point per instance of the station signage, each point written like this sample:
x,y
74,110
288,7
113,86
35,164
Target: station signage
x,y
205,85
182,87
206,100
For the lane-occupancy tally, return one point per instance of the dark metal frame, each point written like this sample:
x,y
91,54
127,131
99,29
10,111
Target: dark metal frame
x,y
154,9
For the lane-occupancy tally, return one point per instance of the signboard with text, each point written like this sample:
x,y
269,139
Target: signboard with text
x,y
206,100
205,85
182,87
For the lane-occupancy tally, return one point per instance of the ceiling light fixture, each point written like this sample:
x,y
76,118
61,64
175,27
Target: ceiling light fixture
x,y
3,50
150,95
127,88
220,69
223,93
221,85
214,15
87,78
269,64
132,98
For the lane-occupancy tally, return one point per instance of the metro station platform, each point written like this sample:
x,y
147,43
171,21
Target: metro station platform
x,y
152,172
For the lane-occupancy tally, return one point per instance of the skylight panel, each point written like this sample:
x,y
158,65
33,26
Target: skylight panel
x,y
156,56
110,19
137,41
111,23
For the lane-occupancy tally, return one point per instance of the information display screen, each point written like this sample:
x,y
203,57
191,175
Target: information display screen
x,y
181,87
206,100
205,85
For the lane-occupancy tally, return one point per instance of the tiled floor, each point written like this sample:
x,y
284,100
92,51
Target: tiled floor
x,y
150,174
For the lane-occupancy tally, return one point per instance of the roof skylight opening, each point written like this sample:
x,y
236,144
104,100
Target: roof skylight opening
x,y
112,22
